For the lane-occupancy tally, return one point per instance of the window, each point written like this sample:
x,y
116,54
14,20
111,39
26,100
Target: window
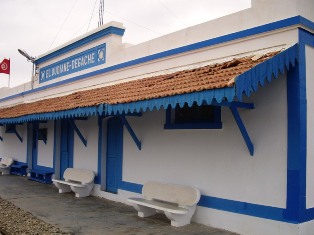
x,y
42,134
10,128
195,117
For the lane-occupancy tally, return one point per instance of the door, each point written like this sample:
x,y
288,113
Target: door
x,y
35,145
66,148
114,154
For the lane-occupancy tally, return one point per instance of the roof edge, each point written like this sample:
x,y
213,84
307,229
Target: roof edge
x,y
249,81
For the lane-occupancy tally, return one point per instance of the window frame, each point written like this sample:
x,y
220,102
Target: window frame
x,y
170,120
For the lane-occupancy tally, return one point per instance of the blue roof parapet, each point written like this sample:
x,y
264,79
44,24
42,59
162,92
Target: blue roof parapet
x,y
81,41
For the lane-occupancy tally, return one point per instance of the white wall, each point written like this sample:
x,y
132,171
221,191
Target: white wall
x,y
310,127
11,145
86,157
217,161
45,151
276,9
307,228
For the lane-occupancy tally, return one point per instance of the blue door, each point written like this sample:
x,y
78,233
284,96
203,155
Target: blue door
x,y
35,145
114,154
66,148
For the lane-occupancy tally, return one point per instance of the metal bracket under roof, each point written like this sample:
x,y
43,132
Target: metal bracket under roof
x,y
241,126
233,106
18,136
11,128
130,130
78,132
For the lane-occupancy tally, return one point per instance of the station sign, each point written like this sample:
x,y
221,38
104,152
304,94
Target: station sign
x,y
81,61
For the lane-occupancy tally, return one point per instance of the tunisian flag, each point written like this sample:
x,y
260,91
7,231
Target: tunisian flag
x,y
5,66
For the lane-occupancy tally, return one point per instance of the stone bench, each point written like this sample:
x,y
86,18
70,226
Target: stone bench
x,y
176,201
5,165
80,181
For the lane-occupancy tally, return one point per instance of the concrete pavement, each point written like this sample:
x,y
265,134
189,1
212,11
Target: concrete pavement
x,y
91,215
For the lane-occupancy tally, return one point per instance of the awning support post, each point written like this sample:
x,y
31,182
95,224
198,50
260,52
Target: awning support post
x,y
78,132
130,130
242,128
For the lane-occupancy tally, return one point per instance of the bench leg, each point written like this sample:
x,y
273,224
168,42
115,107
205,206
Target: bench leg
x,y
144,211
180,220
63,188
82,192
5,171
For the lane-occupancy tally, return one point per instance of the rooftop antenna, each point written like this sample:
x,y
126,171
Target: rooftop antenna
x,y
101,13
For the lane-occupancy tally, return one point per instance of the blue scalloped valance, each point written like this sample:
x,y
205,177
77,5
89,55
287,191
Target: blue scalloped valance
x,y
79,112
250,80
198,97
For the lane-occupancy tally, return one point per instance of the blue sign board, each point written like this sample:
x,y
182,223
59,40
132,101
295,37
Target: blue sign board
x,y
84,60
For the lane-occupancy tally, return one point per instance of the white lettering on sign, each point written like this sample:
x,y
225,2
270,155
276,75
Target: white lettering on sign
x,y
84,60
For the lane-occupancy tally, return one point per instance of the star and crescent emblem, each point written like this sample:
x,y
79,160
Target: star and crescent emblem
x,y
101,54
4,66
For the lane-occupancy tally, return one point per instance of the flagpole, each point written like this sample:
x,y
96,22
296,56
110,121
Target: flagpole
x,y
9,75
9,80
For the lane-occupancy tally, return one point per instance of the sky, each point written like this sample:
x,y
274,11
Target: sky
x,y
38,26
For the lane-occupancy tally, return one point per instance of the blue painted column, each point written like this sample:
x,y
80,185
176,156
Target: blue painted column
x,y
306,39
296,161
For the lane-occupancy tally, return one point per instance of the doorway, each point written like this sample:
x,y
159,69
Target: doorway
x,y
114,154
66,147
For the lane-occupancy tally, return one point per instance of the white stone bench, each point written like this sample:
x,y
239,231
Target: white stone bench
x,y
176,201
80,181
5,165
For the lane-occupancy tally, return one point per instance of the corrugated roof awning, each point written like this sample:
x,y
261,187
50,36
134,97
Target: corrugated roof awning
x,y
227,81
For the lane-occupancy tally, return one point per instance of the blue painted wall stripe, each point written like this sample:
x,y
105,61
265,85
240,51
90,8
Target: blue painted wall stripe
x,y
131,187
211,42
261,211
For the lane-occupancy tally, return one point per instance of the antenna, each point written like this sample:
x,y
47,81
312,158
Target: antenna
x,y
101,13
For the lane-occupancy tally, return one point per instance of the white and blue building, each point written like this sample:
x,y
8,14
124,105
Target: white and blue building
x,y
253,163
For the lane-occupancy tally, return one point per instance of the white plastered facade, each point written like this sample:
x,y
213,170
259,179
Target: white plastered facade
x,y
215,161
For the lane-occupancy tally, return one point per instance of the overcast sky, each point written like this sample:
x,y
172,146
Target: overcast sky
x,y
41,25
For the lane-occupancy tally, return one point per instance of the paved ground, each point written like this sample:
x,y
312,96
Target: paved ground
x,y
91,215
